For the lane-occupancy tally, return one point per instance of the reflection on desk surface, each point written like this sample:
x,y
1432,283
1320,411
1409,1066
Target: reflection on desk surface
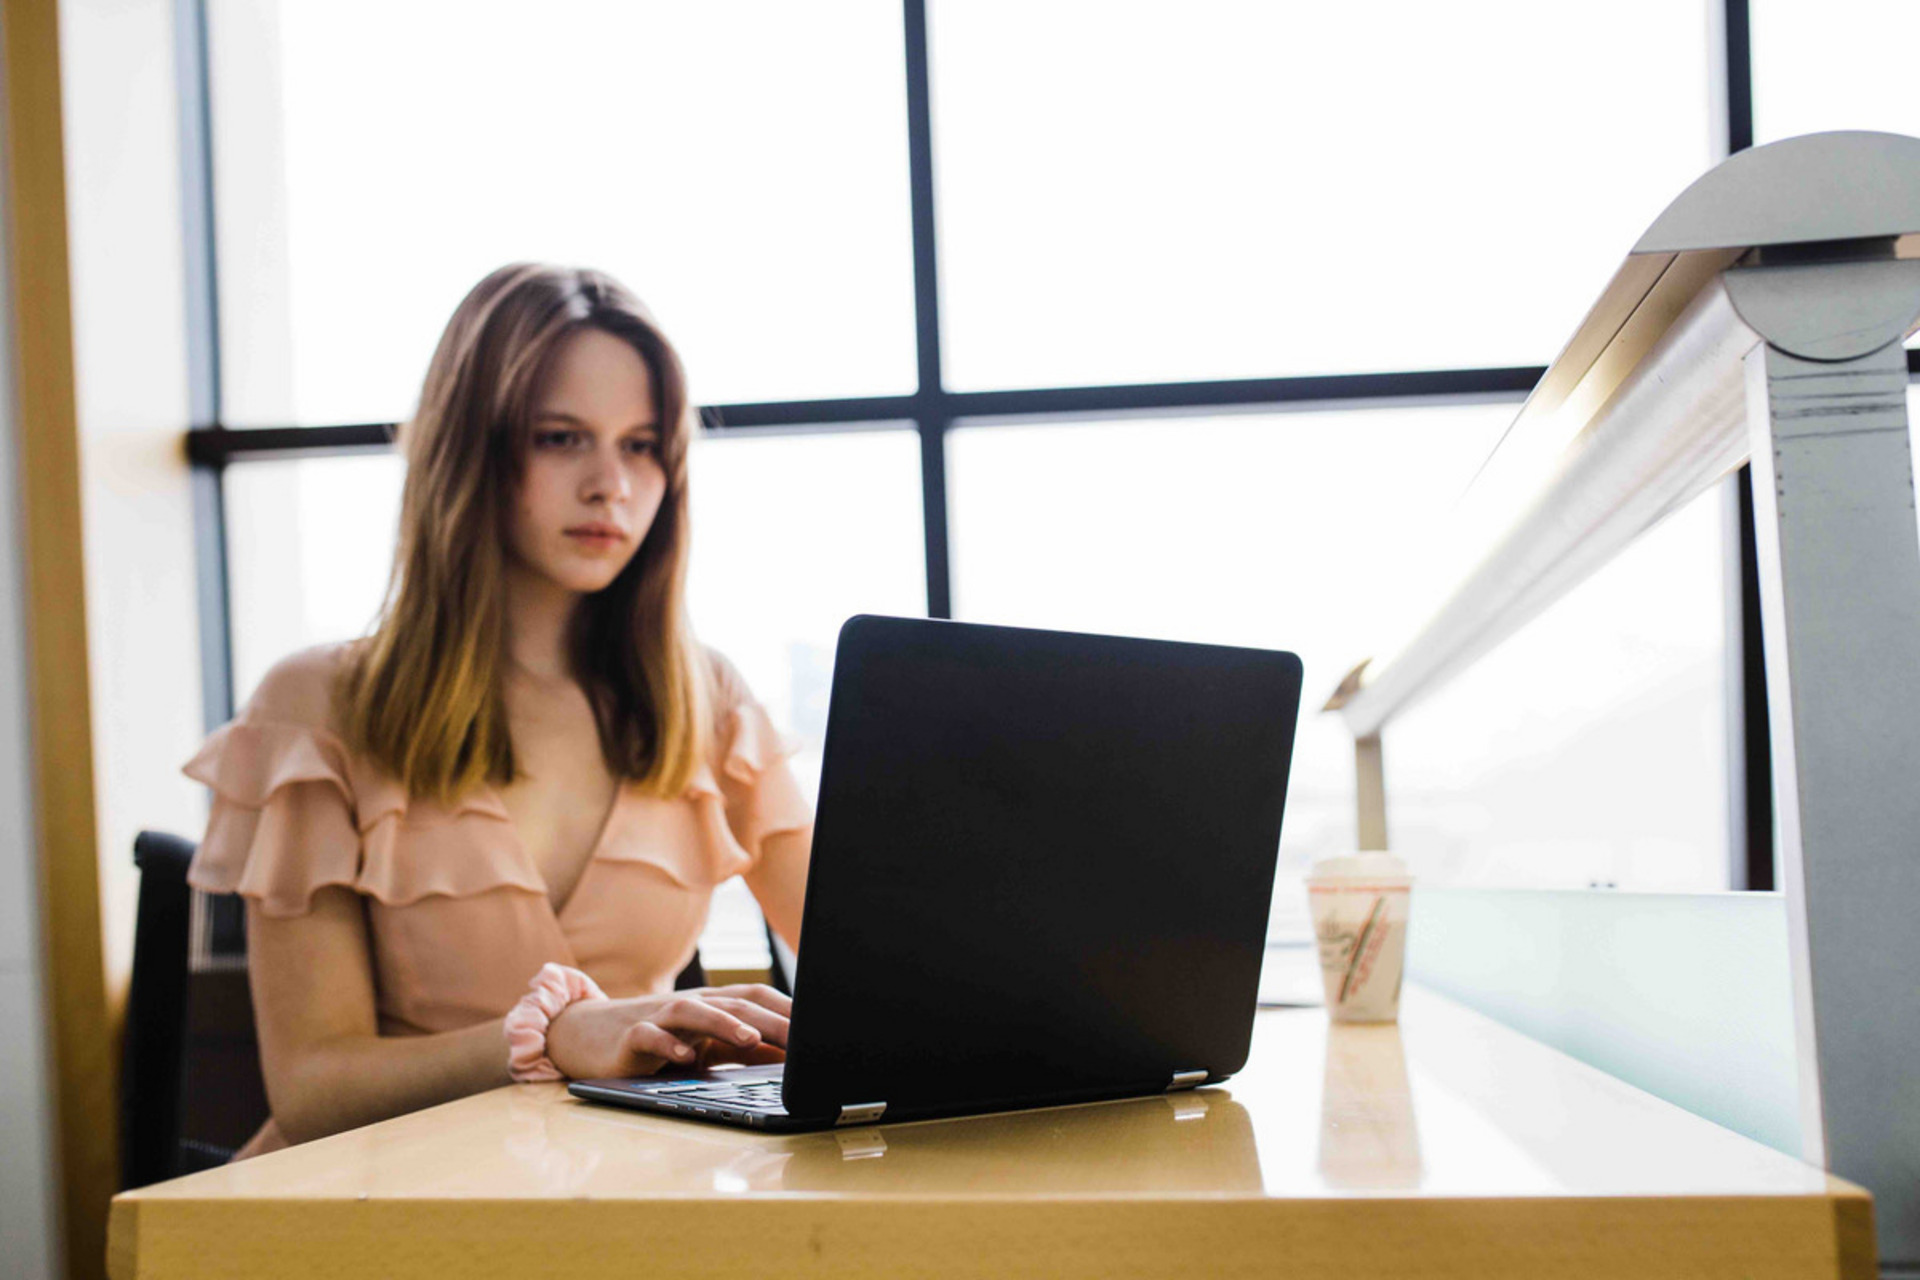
x,y
1104,1147
1368,1138
1444,1104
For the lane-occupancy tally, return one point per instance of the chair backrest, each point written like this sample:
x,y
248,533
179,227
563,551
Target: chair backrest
x,y
156,1000
191,1092
161,1134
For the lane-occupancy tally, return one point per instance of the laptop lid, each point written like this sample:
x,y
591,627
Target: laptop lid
x,y
1042,865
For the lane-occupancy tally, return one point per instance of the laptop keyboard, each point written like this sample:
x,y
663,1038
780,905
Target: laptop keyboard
x,y
754,1095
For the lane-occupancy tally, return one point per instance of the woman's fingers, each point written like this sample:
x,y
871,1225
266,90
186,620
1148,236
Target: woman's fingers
x,y
708,1026
772,1026
652,1040
758,992
704,1016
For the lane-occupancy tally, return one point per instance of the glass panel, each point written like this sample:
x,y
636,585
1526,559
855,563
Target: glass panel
x,y
1591,747
1259,189
1285,530
792,535
742,167
1840,64
309,547
1579,972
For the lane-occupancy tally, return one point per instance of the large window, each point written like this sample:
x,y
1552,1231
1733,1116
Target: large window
x,y
1185,321
1284,531
1590,748
1839,64
743,166
1144,191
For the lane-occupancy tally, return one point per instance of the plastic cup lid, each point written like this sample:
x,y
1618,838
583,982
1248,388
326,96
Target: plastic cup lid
x,y
1352,866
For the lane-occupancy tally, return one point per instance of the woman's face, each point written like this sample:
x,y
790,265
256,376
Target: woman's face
x,y
593,479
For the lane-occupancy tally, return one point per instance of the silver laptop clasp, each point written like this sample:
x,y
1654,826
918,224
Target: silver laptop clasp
x,y
860,1113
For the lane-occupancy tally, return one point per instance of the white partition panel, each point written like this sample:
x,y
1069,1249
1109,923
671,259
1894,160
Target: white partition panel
x,y
1686,995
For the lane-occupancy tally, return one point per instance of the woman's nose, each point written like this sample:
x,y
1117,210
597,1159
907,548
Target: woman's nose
x,y
606,478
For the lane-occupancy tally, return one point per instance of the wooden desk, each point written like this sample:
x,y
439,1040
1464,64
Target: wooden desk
x,y
1445,1146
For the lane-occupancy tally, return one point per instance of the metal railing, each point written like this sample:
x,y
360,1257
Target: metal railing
x,y
1761,317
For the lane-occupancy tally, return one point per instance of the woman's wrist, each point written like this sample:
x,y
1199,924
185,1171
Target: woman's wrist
x,y
552,989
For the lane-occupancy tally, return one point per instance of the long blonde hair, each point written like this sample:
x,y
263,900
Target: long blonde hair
x,y
422,696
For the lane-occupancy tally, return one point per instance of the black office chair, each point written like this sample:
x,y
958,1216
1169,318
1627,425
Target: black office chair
x,y
191,1093
190,1086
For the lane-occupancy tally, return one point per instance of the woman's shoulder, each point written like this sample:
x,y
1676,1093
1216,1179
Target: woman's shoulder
x,y
288,798
299,689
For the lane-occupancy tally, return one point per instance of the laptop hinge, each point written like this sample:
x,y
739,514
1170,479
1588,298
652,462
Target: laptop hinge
x,y
1186,1079
860,1113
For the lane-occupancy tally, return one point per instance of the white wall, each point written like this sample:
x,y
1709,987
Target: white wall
x,y
121,118
27,1213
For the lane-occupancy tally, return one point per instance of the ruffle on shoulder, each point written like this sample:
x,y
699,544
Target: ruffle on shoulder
x,y
753,793
282,820
750,744
294,811
713,831
417,849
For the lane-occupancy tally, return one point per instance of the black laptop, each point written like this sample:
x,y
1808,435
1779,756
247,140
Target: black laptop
x,y
1042,865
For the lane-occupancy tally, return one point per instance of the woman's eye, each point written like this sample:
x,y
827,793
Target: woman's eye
x,y
646,446
555,439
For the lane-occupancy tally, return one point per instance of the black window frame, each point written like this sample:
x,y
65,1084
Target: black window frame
x,y
933,410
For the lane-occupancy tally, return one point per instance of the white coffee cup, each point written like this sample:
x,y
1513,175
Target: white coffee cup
x,y
1359,903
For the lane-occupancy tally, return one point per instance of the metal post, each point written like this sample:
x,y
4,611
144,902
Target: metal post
x,y
203,358
1370,790
1839,558
929,401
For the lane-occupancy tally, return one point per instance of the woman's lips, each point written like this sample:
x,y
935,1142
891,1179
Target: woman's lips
x,y
596,537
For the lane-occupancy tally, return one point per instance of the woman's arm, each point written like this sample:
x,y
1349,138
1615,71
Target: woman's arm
x,y
779,880
326,1065
328,1068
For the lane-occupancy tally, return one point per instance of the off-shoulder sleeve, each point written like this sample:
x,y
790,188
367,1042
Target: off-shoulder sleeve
x,y
282,824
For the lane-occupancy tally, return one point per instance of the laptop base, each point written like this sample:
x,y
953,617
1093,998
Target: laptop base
x,y
669,1095
666,1096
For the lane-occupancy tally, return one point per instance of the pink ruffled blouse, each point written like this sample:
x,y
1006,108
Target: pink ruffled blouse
x,y
457,913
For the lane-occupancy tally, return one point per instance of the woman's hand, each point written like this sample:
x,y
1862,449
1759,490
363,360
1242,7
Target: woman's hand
x,y
604,1039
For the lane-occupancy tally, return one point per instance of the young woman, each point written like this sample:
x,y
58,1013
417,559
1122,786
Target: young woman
x,y
478,845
